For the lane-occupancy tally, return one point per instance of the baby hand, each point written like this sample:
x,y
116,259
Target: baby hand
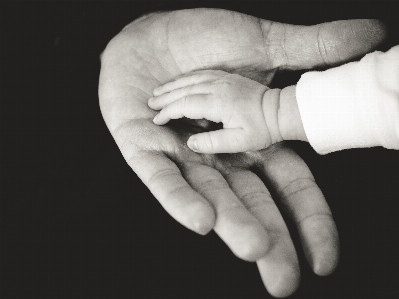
x,y
218,96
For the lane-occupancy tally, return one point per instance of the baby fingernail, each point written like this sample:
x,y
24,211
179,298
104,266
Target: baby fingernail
x,y
155,118
192,143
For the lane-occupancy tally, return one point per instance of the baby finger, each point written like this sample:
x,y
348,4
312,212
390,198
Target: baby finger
x,y
192,106
192,78
163,100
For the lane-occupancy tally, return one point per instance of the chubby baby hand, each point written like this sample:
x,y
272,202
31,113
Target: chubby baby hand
x,y
218,96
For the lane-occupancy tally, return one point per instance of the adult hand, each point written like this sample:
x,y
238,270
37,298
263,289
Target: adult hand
x,y
222,191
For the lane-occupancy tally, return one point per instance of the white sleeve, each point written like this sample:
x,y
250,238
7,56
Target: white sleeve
x,y
354,105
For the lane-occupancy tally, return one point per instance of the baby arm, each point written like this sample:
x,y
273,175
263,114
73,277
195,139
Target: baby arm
x,y
253,116
355,105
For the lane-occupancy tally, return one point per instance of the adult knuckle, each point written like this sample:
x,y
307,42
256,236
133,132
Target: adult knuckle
x,y
256,200
283,47
315,217
321,45
161,174
213,185
296,186
182,189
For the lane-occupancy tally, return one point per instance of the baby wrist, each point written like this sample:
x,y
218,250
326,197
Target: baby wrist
x,y
270,106
289,118
282,115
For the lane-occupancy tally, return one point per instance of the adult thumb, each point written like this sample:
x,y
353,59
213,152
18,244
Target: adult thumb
x,y
322,45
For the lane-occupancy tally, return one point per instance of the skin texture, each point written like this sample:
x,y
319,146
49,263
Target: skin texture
x,y
222,192
253,116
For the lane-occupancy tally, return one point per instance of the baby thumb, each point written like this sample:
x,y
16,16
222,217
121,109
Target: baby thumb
x,y
220,141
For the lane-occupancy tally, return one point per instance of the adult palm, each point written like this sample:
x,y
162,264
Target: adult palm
x,y
222,191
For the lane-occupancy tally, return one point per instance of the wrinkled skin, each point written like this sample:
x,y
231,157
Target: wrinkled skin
x,y
222,192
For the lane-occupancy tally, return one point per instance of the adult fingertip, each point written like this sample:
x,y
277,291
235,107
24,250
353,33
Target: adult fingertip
x,y
321,244
287,290
203,227
376,31
253,245
285,284
326,264
324,267
254,249
203,219
353,38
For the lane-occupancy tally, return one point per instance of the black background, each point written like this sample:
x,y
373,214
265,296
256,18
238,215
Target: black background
x,y
76,222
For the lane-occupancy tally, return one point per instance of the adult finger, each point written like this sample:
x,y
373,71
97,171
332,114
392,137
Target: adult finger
x,y
235,225
279,268
305,204
191,78
160,102
191,106
165,181
326,44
